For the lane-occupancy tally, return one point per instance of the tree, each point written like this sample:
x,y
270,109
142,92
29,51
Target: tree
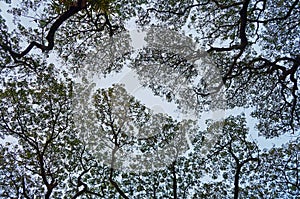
x,y
174,67
38,118
128,136
46,159
66,147
230,160
53,22
249,59
279,172
56,162
255,45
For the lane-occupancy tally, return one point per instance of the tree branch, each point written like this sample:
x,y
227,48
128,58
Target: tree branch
x,y
75,8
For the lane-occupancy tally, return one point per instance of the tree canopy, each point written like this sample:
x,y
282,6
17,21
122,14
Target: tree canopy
x,y
62,137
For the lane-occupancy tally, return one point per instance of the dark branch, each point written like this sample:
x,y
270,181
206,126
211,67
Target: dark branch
x,y
242,34
80,5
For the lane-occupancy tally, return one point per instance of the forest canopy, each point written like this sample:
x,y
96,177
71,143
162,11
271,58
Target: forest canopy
x,y
64,136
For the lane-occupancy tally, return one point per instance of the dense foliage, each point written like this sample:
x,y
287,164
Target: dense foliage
x,y
62,137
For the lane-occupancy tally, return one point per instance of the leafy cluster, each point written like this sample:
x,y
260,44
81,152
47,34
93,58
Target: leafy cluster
x,y
62,138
